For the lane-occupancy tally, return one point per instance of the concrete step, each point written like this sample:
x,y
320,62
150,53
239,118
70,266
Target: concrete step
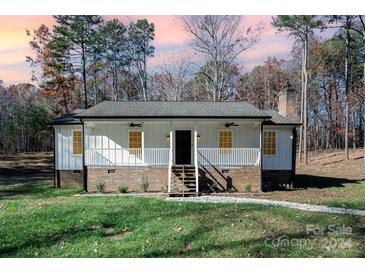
x,y
183,194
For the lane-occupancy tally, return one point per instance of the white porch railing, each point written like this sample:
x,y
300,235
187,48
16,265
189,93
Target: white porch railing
x,y
160,156
229,156
126,156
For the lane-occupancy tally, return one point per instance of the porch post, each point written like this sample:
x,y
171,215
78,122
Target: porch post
x,y
142,137
196,158
170,163
84,159
259,159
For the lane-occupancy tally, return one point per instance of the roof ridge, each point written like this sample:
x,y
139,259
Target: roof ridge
x,y
112,101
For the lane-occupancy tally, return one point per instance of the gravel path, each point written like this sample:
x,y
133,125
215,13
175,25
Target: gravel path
x,y
234,200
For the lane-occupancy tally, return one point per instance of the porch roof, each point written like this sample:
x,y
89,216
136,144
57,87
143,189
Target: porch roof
x,y
68,118
278,119
117,109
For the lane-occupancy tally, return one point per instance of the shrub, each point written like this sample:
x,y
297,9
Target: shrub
x,y
100,186
144,183
248,188
123,189
232,190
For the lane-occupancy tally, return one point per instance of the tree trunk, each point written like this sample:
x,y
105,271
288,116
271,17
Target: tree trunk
x,y
301,112
215,84
84,73
362,18
145,74
116,84
305,118
353,129
364,96
95,90
346,91
65,102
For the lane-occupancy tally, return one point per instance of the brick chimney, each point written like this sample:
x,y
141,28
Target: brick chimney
x,y
288,103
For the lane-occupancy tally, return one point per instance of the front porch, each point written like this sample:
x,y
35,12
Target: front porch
x,y
182,155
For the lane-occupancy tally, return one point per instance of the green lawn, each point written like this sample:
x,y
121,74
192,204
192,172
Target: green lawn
x,y
43,222
349,196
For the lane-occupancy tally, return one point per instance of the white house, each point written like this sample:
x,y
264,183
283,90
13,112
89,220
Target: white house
x,y
177,147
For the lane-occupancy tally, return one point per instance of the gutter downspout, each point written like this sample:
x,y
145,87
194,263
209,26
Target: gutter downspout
x,y
54,158
261,152
83,156
294,154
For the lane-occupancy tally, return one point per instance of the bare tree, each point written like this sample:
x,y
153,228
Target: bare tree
x,y
300,26
348,23
171,79
221,39
362,21
140,36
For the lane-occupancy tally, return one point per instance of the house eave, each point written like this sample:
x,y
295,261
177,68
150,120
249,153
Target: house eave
x,y
270,123
171,117
67,123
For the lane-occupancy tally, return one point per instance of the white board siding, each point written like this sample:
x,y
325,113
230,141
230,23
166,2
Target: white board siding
x,y
283,158
65,160
115,135
244,135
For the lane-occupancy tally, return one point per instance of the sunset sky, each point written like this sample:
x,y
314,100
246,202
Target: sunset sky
x,y
170,43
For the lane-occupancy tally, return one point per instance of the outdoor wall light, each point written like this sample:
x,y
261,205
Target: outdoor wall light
x,y
167,138
198,137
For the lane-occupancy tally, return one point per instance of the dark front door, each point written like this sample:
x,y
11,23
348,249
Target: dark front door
x,y
183,147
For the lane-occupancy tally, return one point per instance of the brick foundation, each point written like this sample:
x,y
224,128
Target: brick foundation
x,y
69,178
130,177
278,178
240,179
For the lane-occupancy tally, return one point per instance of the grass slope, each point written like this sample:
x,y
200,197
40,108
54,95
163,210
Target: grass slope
x,y
45,222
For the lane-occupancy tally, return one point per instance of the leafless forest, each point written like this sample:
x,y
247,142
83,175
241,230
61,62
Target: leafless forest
x,y
84,60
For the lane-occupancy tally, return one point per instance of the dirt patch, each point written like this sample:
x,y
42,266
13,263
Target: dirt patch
x,y
116,236
26,165
331,163
326,177
54,200
111,231
20,173
114,233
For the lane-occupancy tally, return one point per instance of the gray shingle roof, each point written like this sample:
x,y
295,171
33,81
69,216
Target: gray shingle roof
x,y
278,119
113,109
68,118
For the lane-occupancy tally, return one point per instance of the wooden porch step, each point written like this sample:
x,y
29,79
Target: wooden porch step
x,y
183,169
184,183
185,176
184,173
188,186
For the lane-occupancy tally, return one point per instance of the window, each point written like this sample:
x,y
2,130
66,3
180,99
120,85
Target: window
x,y
225,139
135,139
270,142
76,142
